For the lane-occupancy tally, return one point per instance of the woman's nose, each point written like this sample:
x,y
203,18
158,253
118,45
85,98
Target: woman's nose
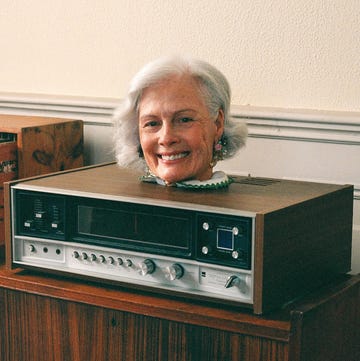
x,y
168,135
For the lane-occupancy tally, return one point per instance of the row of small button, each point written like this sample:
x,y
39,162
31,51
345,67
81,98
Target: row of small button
x,y
102,259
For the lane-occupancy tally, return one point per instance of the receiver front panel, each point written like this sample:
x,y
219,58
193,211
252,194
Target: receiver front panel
x,y
185,251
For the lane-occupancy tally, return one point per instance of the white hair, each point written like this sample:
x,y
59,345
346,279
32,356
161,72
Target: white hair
x,y
214,88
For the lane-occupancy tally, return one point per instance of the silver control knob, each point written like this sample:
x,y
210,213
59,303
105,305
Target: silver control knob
x,y
120,261
92,257
32,248
174,272
206,226
76,254
102,259
146,267
206,250
111,260
128,263
84,255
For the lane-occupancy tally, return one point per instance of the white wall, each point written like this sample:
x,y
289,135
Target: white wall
x,y
287,55
284,53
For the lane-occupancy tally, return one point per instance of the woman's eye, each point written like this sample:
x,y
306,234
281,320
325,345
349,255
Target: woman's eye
x,y
151,123
186,120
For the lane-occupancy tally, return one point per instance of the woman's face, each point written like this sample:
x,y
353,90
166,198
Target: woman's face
x,y
177,133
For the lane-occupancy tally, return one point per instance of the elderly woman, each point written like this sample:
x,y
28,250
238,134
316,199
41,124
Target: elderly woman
x,y
174,124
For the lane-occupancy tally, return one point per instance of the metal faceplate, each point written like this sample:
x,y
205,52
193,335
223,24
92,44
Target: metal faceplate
x,y
155,271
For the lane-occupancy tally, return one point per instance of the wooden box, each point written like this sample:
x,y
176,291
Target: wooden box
x,y
33,145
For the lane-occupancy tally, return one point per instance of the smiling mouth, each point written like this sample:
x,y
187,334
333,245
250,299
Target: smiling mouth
x,y
174,156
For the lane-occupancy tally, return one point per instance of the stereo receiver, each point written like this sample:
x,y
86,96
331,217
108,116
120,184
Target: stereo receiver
x,y
258,243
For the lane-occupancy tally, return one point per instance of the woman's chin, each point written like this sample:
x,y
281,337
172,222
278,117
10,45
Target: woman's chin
x,y
171,180
170,174
172,177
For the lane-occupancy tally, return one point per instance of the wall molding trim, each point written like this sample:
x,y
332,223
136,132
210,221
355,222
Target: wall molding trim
x,y
301,125
272,123
89,109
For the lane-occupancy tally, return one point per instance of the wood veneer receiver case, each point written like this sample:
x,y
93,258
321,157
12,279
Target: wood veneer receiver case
x,y
302,230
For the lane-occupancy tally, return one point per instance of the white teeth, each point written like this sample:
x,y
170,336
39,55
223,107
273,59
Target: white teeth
x,y
174,156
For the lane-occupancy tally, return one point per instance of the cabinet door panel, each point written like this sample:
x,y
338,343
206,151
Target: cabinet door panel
x,y
38,328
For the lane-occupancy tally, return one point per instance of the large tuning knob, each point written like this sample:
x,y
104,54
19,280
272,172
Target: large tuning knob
x,y
174,272
146,267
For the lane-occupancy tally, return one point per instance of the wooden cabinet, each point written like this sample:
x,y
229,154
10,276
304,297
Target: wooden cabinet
x,y
33,145
56,319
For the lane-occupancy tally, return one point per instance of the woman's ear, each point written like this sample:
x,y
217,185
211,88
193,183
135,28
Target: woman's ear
x,y
219,122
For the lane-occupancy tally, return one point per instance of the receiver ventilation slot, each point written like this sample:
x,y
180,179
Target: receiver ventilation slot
x,y
255,181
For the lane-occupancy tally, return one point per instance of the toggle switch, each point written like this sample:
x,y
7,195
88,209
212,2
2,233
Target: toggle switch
x,y
232,281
